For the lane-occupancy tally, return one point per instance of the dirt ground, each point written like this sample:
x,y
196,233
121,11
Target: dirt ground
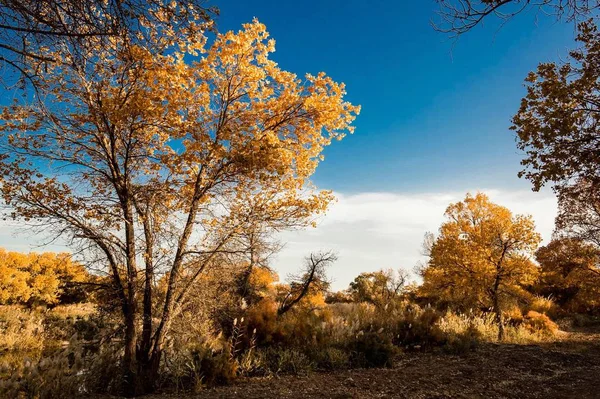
x,y
568,368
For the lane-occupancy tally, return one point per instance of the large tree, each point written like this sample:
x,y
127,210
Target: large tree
x,y
158,156
481,257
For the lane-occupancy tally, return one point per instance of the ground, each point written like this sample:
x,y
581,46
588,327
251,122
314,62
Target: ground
x,y
567,368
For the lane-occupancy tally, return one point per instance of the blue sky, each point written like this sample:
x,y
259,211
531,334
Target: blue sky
x,y
434,123
435,114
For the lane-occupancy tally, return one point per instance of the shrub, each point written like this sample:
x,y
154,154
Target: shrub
x,y
331,358
192,368
463,332
70,372
371,349
262,317
514,316
540,304
540,323
285,360
417,328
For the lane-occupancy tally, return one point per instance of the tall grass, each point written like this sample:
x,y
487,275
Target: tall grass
x,y
336,336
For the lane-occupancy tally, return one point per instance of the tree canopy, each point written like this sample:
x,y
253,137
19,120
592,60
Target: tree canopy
x,y
558,121
38,278
570,273
379,288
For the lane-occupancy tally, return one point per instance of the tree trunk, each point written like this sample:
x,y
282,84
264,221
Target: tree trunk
x,y
500,322
496,292
498,311
129,357
147,373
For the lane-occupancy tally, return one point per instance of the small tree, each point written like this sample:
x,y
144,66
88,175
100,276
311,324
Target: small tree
x,y
482,257
311,281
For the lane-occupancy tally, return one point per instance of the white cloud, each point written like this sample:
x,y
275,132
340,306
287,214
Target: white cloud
x,y
16,236
370,231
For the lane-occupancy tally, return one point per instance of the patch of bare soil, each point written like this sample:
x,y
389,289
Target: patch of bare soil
x,y
568,368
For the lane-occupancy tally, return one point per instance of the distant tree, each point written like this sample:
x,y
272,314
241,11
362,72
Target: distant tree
x,y
570,273
482,257
379,288
460,16
558,123
338,297
311,281
154,160
38,278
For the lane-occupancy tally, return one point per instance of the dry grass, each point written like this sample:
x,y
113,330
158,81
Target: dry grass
x,y
20,329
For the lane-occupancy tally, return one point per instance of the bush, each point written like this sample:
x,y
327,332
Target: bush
x,y
463,332
540,323
371,349
191,369
214,368
331,358
288,361
540,304
418,328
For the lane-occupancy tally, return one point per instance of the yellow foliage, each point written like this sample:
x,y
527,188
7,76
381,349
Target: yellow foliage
x,y
482,257
570,274
36,277
540,323
262,280
543,305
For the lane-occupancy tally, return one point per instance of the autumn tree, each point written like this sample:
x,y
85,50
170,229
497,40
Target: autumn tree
x,y
379,288
338,297
557,123
456,17
481,257
570,273
309,284
154,157
38,278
